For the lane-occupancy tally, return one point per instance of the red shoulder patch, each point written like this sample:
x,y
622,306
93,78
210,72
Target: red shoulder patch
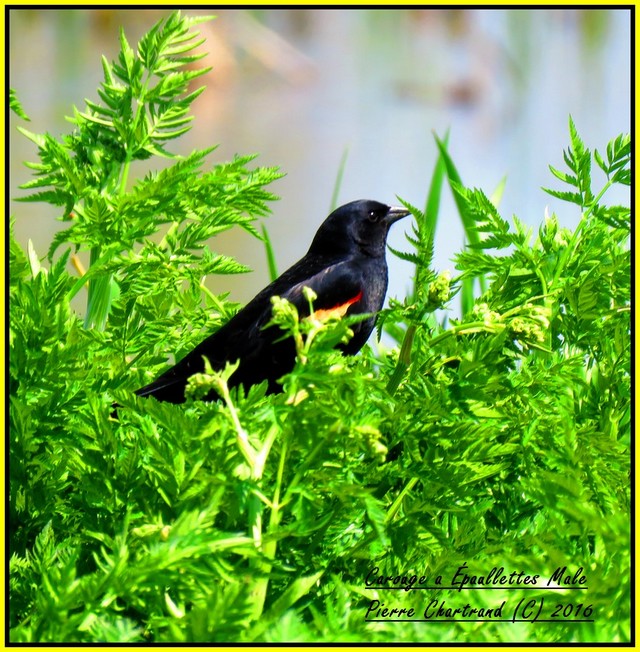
x,y
337,310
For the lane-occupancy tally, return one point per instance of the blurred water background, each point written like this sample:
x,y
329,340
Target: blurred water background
x,y
301,87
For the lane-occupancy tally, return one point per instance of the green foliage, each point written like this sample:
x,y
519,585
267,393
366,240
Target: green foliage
x,y
497,439
15,106
145,104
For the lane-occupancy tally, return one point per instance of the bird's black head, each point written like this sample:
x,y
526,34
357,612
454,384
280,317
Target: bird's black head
x,y
360,225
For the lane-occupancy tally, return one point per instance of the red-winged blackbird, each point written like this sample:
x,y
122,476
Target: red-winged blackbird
x,y
346,268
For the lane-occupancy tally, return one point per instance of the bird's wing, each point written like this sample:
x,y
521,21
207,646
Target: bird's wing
x,y
244,337
235,339
336,287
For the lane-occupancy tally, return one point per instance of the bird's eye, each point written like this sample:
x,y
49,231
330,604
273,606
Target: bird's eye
x,y
373,216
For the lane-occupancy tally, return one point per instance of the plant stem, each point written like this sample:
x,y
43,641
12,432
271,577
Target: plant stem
x,y
269,547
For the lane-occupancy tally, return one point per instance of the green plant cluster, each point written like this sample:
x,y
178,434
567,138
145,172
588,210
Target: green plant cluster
x,y
499,439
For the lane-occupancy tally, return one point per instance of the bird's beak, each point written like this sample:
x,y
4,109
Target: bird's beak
x,y
395,213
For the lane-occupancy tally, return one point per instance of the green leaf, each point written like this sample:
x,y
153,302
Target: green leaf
x,y
271,259
467,220
296,590
338,183
15,106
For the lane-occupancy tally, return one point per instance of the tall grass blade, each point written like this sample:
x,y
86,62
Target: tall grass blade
x,y
496,195
432,207
338,183
467,223
432,210
426,234
271,258
466,295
